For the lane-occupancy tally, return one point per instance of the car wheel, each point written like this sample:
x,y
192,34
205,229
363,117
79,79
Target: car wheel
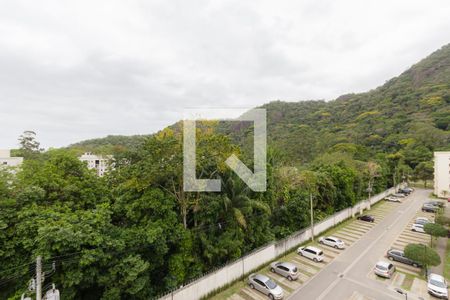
x,y
252,286
391,258
289,278
320,242
415,265
315,259
272,270
413,230
301,253
271,297
336,247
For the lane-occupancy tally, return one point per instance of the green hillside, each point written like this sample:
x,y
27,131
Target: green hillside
x,y
407,115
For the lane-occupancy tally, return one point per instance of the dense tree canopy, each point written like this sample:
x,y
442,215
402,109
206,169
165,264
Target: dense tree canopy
x,y
135,233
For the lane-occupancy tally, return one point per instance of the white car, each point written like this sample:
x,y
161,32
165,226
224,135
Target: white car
x,y
437,286
332,242
417,228
312,253
392,199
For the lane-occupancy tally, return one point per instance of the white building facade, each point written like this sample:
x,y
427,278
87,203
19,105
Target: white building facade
x,y
442,174
98,162
7,161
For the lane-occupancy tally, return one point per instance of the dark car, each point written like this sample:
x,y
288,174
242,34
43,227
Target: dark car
x,y
404,191
399,255
366,218
436,203
429,208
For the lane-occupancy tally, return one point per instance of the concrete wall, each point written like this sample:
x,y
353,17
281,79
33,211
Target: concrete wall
x,y
259,257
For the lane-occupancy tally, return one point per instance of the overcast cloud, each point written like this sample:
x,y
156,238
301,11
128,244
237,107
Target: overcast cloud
x,y
84,69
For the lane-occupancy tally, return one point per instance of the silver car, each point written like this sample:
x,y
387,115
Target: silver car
x,y
384,269
332,242
285,269
265,285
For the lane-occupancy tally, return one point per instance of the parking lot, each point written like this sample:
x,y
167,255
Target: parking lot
x,y
349,232
408,277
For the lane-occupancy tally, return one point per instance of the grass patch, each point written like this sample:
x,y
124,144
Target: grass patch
x,y
408,281
235,288
447,261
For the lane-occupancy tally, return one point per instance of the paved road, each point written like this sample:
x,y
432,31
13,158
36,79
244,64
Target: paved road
x,y
348,273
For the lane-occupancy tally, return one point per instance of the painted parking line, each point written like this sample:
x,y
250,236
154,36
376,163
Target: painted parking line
x,y
235,297
362,226
253,294
283,284
344,237
309,262
356,229
405,238
305,268
326,248
351,233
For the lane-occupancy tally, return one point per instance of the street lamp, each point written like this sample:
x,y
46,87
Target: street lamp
x,y
402,292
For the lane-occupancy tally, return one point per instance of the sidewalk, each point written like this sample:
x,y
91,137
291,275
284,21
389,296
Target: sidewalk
x,y
441,246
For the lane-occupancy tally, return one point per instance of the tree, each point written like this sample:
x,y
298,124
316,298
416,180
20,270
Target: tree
x,y
435,230
424,171
422,254
28,143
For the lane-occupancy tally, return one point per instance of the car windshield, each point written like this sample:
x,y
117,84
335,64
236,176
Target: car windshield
x,y
381,268
338,241
320,253
437,283
270,284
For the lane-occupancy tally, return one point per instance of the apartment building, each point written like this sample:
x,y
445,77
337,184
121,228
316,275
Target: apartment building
x,y
7,161
442,174
98,162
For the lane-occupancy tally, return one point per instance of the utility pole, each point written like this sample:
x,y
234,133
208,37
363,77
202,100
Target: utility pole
x,y
39,278
312,216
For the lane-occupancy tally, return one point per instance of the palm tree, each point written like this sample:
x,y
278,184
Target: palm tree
x,y
237,201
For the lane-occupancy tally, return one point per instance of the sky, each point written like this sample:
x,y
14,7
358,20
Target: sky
x,y
74,70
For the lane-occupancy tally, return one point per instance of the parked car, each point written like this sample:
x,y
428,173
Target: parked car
x,y
285,269
404,191
399,255
366,218
407,190
437,286
384,269
265,285
399,195
417,228
429,208
311,252
422,221
392,199
332,242
436,203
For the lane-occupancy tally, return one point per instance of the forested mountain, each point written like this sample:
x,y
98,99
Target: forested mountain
x,y
135,233
409,113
